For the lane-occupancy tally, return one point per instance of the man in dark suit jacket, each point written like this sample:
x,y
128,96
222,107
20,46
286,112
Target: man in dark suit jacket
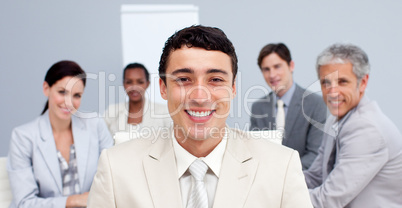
x,y
305,112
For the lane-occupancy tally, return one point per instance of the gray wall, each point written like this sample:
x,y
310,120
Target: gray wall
x,y
36,34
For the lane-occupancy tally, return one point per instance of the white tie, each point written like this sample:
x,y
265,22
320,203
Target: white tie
x,y
280,118
198,196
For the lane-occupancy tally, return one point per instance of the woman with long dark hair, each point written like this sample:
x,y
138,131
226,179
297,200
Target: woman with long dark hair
x,y
52,160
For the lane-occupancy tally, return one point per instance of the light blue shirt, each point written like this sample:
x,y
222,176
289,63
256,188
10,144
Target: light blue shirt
x,y
286,98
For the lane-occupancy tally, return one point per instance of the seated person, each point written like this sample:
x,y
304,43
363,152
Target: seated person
x,y
52,160
199,162
359,163
299,108
138,112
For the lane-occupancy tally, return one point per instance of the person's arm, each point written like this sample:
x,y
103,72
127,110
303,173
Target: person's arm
x,y
102,193
314,134
313,175
362,153
295,192
253,120
23,182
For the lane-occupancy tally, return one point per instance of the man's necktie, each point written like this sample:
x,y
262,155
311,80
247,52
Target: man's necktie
x,y
280,118
198,196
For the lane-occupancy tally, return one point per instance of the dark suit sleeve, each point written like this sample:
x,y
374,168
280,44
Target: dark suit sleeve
x,y
253,120
315,133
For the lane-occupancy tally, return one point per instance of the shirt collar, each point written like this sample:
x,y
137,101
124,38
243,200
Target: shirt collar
x,y
214,159
339,123
287,97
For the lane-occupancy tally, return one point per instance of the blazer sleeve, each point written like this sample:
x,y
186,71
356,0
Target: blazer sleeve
x,y
253,120
313,175
102,193
24,187
361,154
314,134
295,192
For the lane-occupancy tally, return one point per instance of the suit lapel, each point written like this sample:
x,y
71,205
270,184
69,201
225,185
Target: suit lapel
x,y
82,143
237,173
161,173
47,147
293,112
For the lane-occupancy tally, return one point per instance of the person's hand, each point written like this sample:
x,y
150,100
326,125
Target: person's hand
x,y
79,200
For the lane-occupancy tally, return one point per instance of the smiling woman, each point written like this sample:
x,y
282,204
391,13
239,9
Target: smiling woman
x,y
53,159
139,115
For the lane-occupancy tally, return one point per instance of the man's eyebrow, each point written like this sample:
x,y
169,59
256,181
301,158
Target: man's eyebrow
x,y
217,71
185,70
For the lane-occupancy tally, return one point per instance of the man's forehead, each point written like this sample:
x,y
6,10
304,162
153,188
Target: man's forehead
x,y
198,59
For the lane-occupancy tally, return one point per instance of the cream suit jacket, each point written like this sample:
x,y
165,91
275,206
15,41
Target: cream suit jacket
x,y
254,173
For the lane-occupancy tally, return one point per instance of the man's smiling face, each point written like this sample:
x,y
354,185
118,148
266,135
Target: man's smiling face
x,y
340,88
199,88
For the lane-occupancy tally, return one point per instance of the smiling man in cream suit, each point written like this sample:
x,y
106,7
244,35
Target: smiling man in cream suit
x,y
359,163
200,162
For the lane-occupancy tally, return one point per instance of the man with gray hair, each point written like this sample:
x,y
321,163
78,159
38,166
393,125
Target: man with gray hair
x,y
359,163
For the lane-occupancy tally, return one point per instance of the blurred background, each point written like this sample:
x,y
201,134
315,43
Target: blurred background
x,y
36,34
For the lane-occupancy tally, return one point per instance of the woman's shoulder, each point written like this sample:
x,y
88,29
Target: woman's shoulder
x,y
92,120
30,126
29,132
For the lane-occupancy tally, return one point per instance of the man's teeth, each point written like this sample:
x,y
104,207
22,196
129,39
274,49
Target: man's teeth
x,y
335,102
199,113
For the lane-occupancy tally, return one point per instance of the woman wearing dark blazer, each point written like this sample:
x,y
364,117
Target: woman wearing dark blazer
x,y
52,160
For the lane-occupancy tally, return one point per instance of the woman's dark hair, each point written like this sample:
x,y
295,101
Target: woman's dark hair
x,y
60,70
208,38
135,66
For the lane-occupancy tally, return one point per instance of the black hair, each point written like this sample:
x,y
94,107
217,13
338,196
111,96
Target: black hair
x,y
208,38
134,66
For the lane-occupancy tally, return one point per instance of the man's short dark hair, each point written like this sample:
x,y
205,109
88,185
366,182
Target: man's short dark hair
x,y
208,38
135,66
278,48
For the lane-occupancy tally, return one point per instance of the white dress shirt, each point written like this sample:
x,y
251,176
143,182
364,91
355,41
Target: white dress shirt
x,y
286,98
214,161
155,116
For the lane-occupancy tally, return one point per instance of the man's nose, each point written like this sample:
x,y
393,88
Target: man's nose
x,y
333,89
199,94
272,73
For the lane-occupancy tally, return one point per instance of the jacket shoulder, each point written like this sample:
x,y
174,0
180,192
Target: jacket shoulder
x,y
261,143
262,101
28,128
139,147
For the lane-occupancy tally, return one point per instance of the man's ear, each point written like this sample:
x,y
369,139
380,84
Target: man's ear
x,y
163,89
46,88
234,92
363,83
291,66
